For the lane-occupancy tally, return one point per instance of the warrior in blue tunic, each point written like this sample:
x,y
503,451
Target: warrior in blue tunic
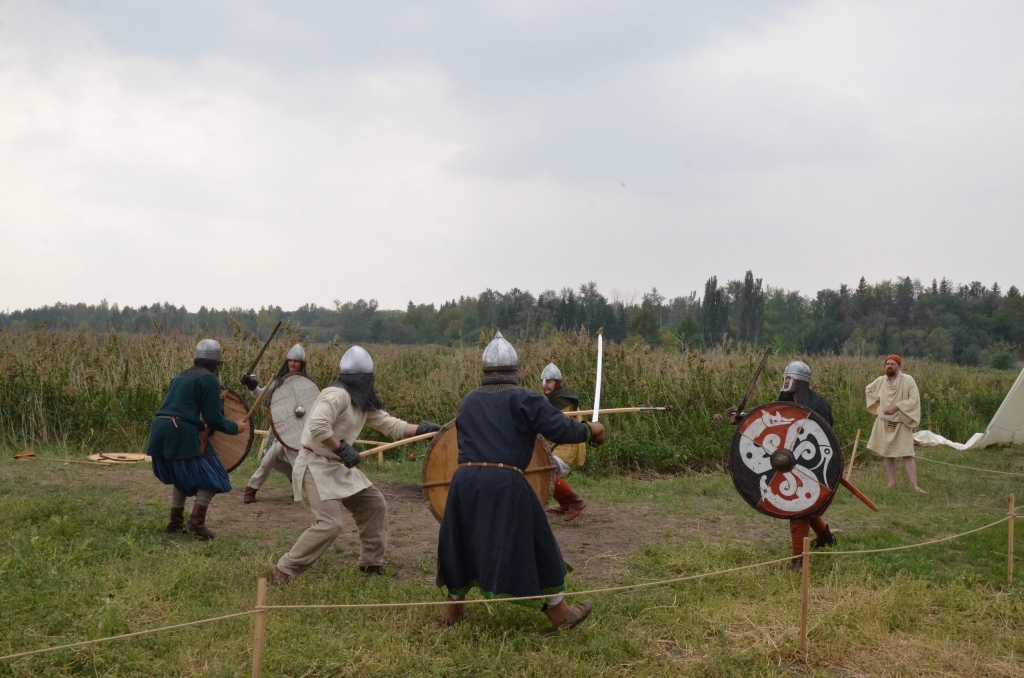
x,y
494,534
183,456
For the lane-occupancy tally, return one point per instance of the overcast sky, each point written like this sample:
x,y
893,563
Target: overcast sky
x,y
253,153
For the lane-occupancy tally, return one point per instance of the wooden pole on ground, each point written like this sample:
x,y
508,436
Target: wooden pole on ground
x,y
856,441
261,627
805,590
1009,542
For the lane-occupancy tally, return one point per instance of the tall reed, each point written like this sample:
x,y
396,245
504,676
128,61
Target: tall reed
x,y
92,391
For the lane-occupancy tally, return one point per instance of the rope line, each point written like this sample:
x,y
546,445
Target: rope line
x,y
128,635
429,603
476,601
911,546
972,468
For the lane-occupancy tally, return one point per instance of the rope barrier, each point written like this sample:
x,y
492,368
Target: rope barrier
x,y
433,603
428,603
128,635
972,468
911,546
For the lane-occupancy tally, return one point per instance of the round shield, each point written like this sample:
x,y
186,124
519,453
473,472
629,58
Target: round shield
x,y
232,450
442,460
785,460
291,401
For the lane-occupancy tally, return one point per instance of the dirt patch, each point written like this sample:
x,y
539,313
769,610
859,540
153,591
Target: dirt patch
x,y
596,544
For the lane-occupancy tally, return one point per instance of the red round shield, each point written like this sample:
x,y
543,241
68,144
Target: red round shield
x,y
785,460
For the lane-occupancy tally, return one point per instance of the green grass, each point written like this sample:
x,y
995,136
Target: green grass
x,y
82,557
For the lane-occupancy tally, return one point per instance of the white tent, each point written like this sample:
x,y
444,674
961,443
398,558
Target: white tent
x,y
1006,428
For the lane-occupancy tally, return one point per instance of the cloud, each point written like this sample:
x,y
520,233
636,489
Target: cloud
x,y
241,154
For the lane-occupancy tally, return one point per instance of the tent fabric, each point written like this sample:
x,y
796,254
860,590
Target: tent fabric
x,y
1006,427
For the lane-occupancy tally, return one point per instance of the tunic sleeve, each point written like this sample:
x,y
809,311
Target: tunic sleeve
x,y
872,395
550,422
325,412
910,406
392,427
212,407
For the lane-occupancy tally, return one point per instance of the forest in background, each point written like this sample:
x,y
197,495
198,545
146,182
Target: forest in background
x,y
967,324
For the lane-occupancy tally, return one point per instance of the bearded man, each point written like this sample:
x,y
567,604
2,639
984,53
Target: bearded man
x,y
565,399
179,444
278,458
896,402
325,470
796,388
494,534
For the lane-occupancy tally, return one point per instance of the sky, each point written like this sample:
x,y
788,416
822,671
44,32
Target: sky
x,y
244,154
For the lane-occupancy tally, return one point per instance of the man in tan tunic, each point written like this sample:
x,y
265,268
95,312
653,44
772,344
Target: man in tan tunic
x,y
895,400
325,472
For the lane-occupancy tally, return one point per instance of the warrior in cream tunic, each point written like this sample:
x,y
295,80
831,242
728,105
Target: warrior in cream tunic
x,y
896,402
325,473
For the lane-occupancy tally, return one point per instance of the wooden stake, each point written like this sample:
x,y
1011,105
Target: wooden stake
x,y
856,441
805,590
1009,542
261,627
263,446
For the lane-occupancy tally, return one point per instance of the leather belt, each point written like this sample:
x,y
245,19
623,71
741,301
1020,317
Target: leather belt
x,y
493,464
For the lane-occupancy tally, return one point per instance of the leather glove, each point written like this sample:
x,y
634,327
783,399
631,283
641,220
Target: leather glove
x,y
427,427
596,433
348,455
250,381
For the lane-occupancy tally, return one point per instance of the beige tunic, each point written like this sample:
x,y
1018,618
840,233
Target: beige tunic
x,y
334,415
892,434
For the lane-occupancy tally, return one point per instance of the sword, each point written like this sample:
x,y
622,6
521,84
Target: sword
x,y
597,388
750,389
262,350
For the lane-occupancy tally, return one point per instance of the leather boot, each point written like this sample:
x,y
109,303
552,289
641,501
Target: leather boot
x,y
370,570
453,613
177,520
197,523
250,496
796,564
563,506
576,506
564,617
281,577
822,534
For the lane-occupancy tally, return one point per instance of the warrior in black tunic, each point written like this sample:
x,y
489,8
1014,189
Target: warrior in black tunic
x,y
796,387
494,534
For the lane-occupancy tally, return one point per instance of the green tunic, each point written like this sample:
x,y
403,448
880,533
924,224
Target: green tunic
x,y
194,392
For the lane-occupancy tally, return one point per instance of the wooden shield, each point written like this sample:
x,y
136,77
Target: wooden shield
x,y
785,460
442,460
231,450
290,404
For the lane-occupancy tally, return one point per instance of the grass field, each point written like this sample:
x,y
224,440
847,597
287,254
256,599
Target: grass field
x,y
89,392
82,555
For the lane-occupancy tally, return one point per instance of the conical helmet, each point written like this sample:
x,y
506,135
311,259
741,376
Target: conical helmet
x,y
296,352
208,349
356,361
499,356
798,370
551,372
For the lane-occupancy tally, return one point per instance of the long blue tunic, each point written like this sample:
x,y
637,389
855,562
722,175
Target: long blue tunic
x,y
174,444
494,534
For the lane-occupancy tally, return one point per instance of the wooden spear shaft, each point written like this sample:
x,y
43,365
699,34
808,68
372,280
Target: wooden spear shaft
x,y
856,441
1009,542
398,443
805,586
620,410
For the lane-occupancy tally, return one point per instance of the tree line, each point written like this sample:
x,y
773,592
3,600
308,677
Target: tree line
x,y
969,324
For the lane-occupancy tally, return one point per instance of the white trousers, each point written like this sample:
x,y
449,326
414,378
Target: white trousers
x,y
276,459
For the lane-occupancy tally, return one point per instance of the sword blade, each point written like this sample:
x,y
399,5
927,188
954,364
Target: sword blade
x,y
750,389
597,389
262,350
